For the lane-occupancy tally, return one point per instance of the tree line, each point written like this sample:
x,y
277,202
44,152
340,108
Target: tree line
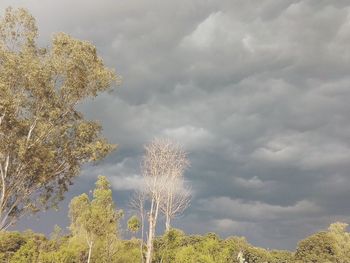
x,y
95,236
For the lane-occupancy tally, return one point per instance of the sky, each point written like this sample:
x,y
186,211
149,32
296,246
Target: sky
x,y
257,92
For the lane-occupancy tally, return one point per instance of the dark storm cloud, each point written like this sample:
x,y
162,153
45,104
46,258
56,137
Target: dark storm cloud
x,y
257,92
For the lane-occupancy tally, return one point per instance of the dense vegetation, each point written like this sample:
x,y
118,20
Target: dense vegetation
x,y
94,232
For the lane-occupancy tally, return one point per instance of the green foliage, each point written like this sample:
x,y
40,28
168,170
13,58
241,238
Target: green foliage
x,y
327,246
68,251
98,217
338,232
320,247
27,253
95,221
128,252
134,224
175,246
44,138
30,251
11,241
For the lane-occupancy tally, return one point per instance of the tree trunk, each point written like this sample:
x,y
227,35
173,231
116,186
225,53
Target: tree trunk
x,y
150,242
150,234
142,231
153,216
167,223
90,250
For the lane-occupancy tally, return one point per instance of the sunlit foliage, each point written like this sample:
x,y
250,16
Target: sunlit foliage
x,y
44,138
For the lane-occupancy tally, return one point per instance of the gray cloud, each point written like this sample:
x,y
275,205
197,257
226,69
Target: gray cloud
x,y
257,92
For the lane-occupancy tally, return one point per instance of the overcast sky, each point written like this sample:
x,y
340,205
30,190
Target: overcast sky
x,y
258,93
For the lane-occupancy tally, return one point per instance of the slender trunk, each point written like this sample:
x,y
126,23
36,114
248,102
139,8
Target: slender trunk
x,y
142,230
150,234
90,251
167,223
169,209
149,244
3,173
152,227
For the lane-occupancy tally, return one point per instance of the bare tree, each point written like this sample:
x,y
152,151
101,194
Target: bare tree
x,y
155,171
177,194
162,169
177,198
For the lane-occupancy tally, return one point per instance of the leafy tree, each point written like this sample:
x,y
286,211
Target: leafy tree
x,y
320,247
166,247
96,221
256,255
10,242
68,251
325,246
29,252
128,252
338,232
44,138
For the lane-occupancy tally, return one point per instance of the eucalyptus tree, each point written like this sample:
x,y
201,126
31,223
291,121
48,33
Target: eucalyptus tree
x,y
44,139
96,221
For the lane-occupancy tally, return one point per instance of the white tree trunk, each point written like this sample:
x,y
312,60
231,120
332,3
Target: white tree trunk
x,y
90,251
167,223
150,233
149,245
142,231
152,228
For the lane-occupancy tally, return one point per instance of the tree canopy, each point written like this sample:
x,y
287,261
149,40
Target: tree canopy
x,y
96,221
44,138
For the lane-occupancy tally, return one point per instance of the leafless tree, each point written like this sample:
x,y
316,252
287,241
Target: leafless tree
x,y
176,199
162,168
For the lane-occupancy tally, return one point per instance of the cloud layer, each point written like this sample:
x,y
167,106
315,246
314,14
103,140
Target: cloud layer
x,y
257,92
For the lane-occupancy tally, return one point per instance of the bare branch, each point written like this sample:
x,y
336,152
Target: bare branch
x,y
162,168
